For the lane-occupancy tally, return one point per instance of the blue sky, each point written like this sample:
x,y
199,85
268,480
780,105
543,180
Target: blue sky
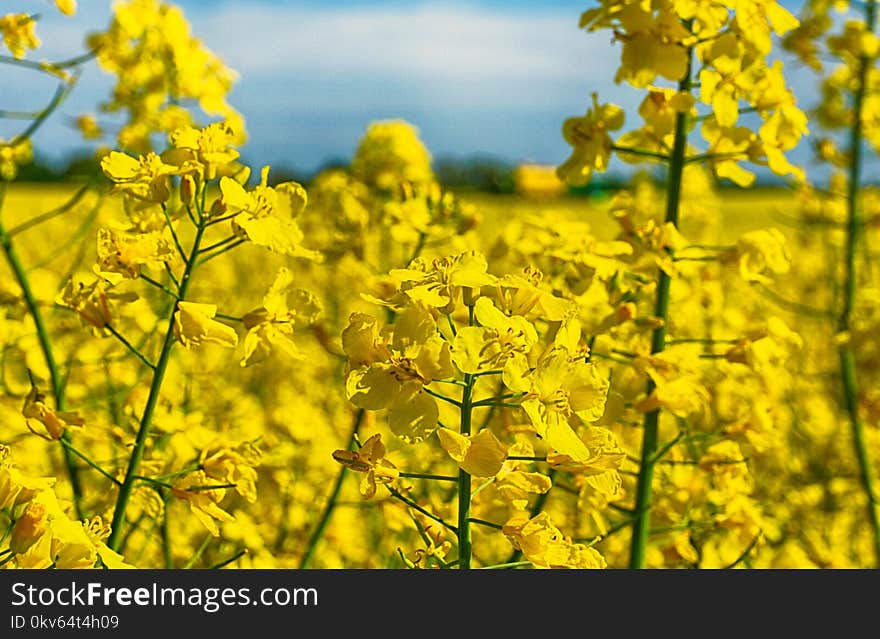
x,y
482,77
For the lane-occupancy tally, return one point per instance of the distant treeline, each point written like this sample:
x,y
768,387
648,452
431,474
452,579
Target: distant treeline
x,y
475,174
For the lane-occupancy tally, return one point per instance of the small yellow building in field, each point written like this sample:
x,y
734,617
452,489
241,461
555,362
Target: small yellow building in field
x,y
537,181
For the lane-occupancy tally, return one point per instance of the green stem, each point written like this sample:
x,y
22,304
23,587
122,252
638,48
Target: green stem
x,y
199,552
68,446
640,152
489,401
853,231
427,513
444,398
464,478
158,285
131,347
61,93
488,524
241,553
137,452
427,476
641,517
226,248
57,382
329,507
512,564
48,215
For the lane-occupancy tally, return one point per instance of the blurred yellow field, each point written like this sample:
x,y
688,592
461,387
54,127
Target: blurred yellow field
x,y
208,363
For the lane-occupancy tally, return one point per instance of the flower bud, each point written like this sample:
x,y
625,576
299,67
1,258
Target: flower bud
x,y
187,189
217,209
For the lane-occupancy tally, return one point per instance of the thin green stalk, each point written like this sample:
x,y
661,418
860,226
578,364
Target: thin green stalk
x,y
464,477
640,152
137,452
488,524
441,397
48,215
61,92
131,347
225,249
220,243
68,446
427,513
56,380
199,552
241,553
158,285
641,517
850,288
512,564
330,506
428,476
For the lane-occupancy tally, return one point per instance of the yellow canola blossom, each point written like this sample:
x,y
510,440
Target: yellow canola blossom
x,y
370,460
42,535
544,544
444,282
591,141
193,326
53,423
19,35
204,502
560,388
271,326
390,367
146,178
159,65
67,7
391,153
499,342
13,155
481,455
265,214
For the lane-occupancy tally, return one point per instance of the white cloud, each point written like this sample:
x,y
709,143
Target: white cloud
x,y
433,40
471,77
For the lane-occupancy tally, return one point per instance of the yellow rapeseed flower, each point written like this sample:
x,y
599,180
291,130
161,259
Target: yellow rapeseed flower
x,y
193,326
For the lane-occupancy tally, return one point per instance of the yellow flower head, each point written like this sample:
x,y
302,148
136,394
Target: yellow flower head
x,y
209,148
561,387
544,544
442,283
16,488
499,342
193,326
369,459
146,178
391,153
762,254
204,502
481,455
589,136
265,214
14,155
18,33
125,253
52,423
234,466
390,369
67,7
271,326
